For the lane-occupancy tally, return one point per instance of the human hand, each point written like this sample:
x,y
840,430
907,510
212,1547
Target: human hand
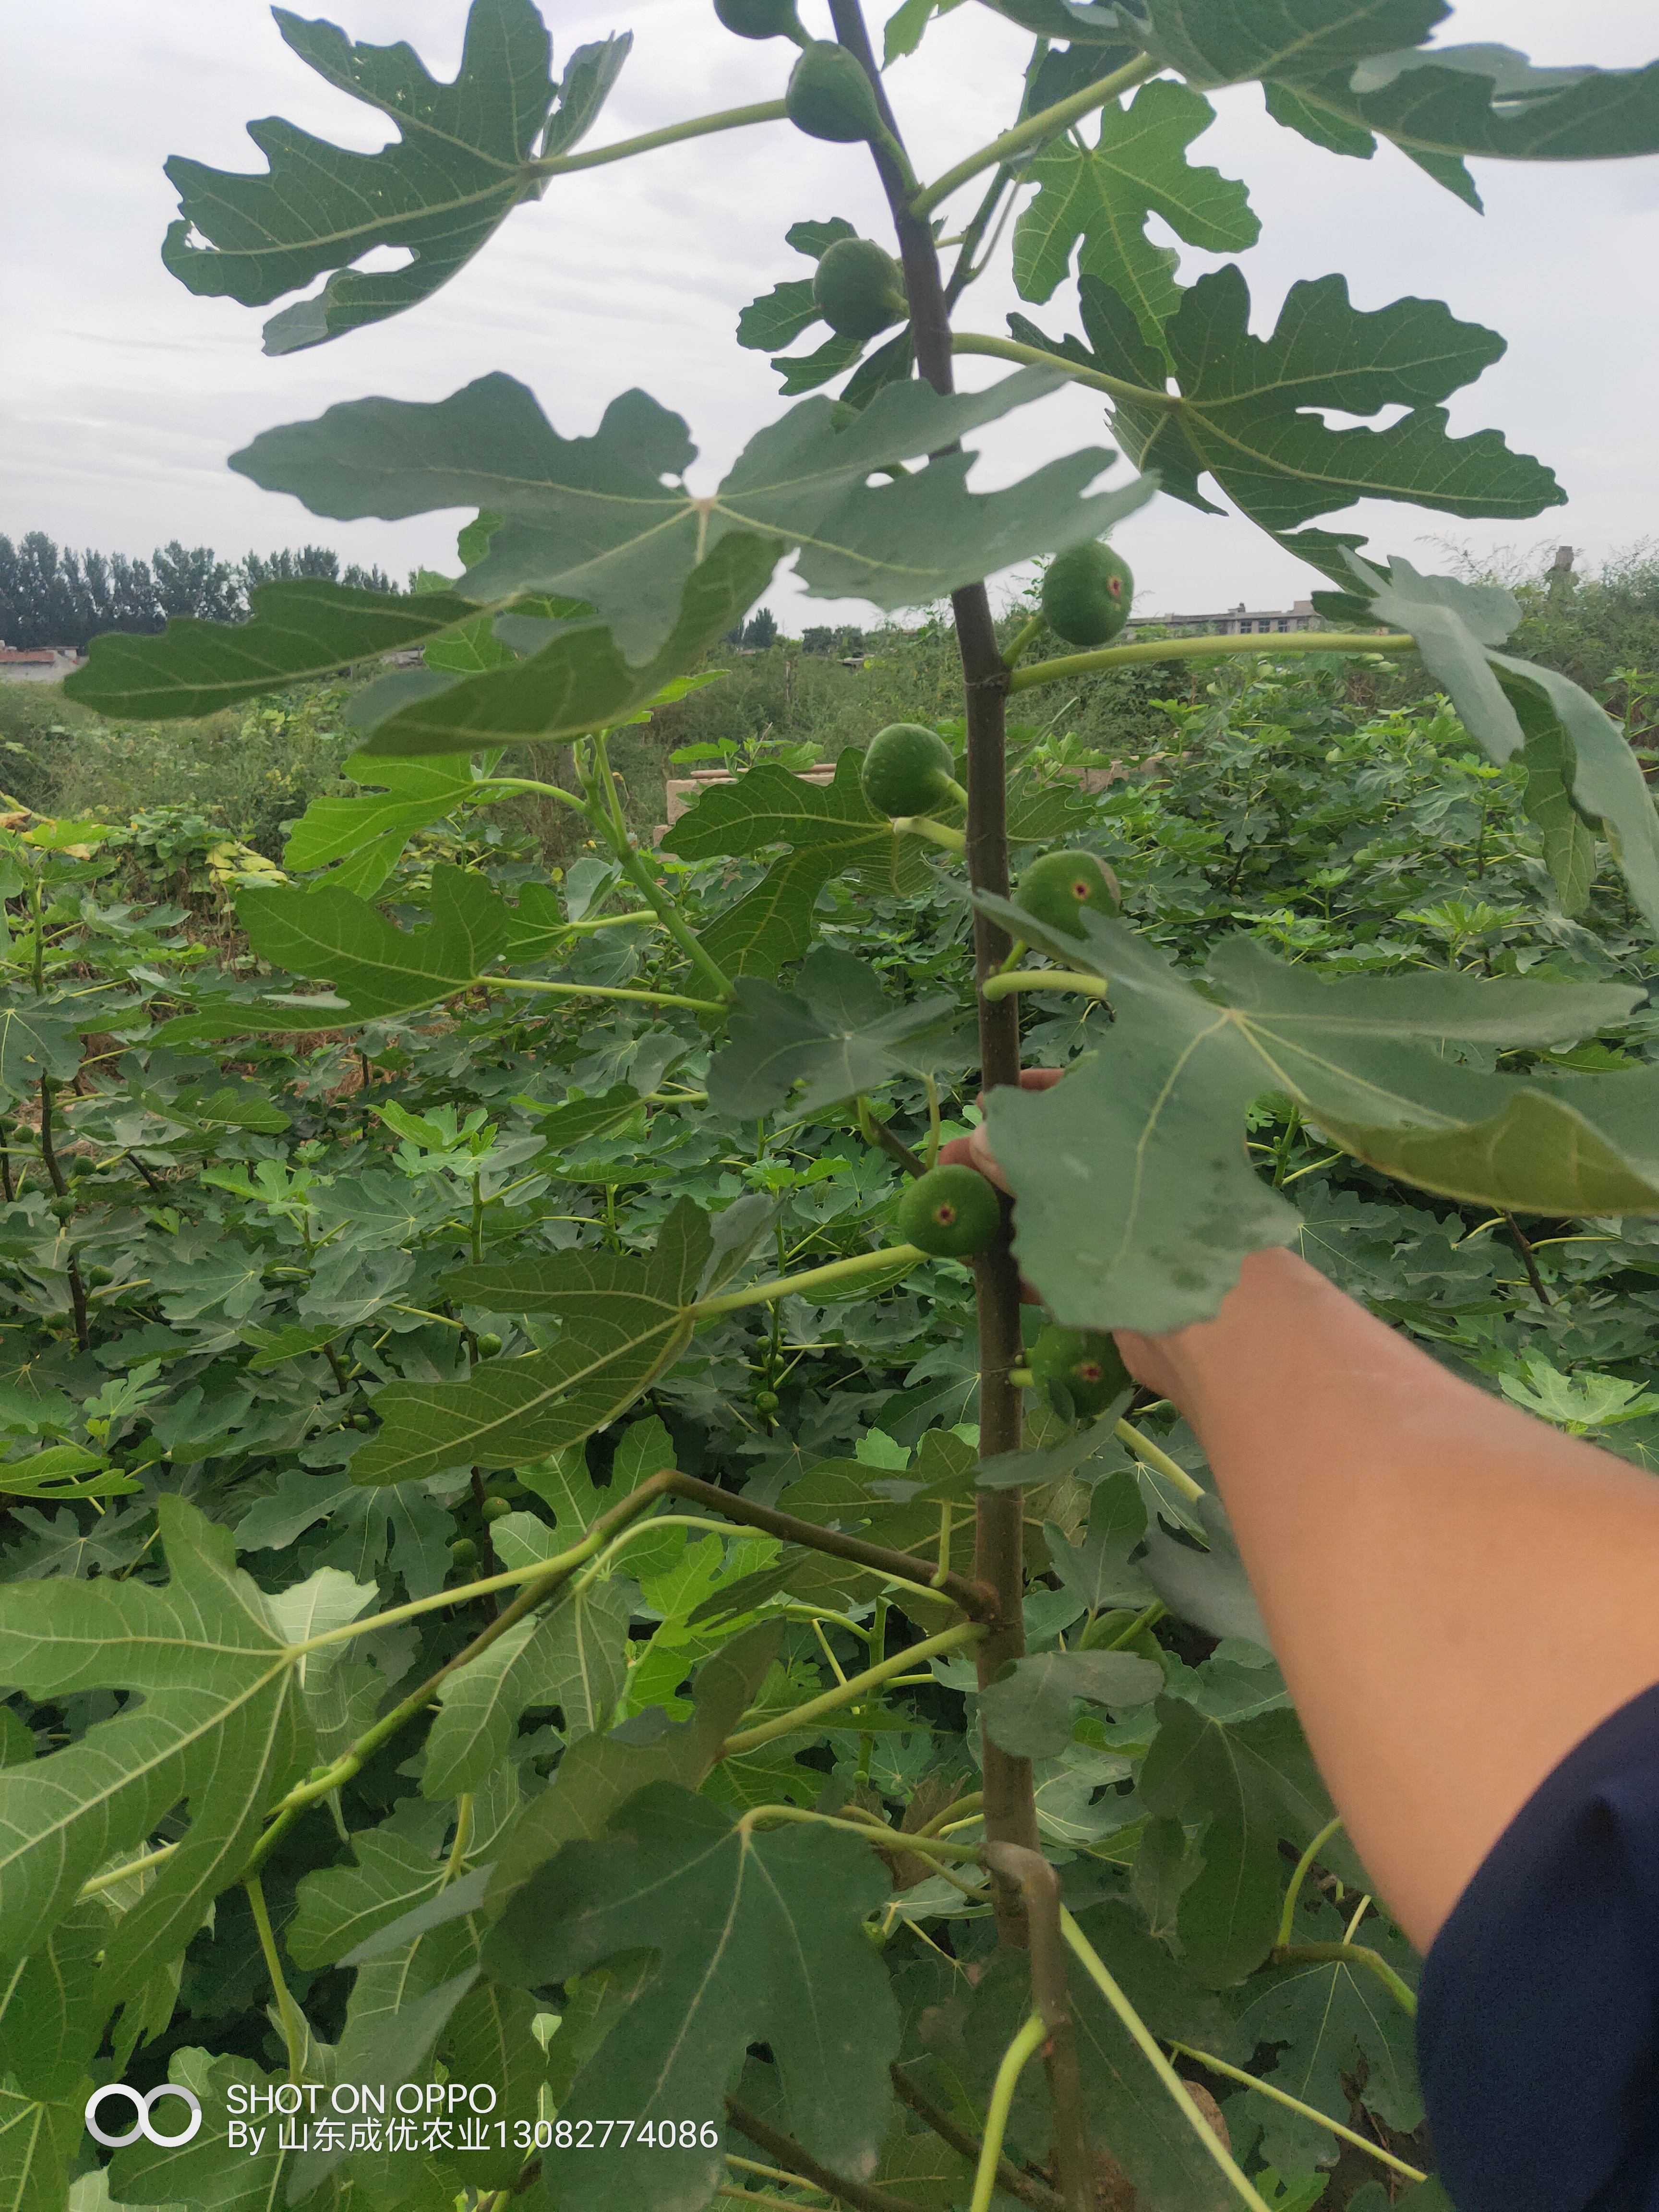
x,y
1148,1358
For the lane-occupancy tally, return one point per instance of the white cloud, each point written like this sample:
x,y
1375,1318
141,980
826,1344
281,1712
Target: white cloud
x,y
121,394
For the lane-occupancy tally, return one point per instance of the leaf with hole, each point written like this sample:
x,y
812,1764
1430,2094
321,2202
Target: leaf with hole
x,y
456,169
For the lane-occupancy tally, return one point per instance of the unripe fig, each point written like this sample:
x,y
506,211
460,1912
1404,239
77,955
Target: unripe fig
x,y
1086,1361
859,289
758,19
463,1551
489,1343
951,1212
495,1509
828,95
61,1208
1053,889
1086,594
98,1276
766,1402
83,1164
907,770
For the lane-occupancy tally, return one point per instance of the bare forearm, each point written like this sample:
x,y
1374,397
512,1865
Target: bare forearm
x,y
1456,1594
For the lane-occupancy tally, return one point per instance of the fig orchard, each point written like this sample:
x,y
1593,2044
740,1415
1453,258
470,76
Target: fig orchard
x,y
890,1822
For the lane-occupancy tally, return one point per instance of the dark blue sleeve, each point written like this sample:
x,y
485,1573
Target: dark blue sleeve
x,y
1538,2021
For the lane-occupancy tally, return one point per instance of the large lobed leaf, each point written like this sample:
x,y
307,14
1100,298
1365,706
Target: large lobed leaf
x,y
302,628
455,172
1136,1203
222,1724
375,968
1246,409
761,1940
624,1319
1103,195
835,1034
607,520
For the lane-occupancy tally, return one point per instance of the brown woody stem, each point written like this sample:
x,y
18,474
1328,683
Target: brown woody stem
x,y
1010,1805
789,2152
1025,2186
1039,1887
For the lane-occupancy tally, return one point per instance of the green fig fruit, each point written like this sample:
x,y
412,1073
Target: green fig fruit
x,y
907,770
951,1212
1085,1361
495,1509
766,1402
1086,594
759,19
859,289
828,95
1053,889
489,1343
463,1551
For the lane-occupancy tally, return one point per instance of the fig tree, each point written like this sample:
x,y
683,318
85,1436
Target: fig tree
x,y
1086,594
828,95
950,1212
859,289
1085,1361
1053,889
907,770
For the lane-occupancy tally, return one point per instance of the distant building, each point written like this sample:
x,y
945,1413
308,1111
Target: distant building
x,y
1237,621
37,664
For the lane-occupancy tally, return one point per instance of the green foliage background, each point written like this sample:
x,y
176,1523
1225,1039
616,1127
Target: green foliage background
x,y
513,1574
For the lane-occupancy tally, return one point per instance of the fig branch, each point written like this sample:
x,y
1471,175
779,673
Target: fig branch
x,y
1036,128
1010,1802
1062,669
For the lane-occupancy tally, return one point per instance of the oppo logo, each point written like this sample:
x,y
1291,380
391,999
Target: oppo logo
x,y
143,2105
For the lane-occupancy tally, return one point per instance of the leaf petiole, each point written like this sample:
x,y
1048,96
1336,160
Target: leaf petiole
x,y
813,1278
1159,1461
673,134
940,833
853,1688
1015,2059
294,2034
1208,648
1287,1918
1089,1959
1036,128
1307,2111
605,991
1045,979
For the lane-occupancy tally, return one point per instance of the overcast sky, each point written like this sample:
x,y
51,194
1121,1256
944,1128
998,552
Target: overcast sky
x,y
121,394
